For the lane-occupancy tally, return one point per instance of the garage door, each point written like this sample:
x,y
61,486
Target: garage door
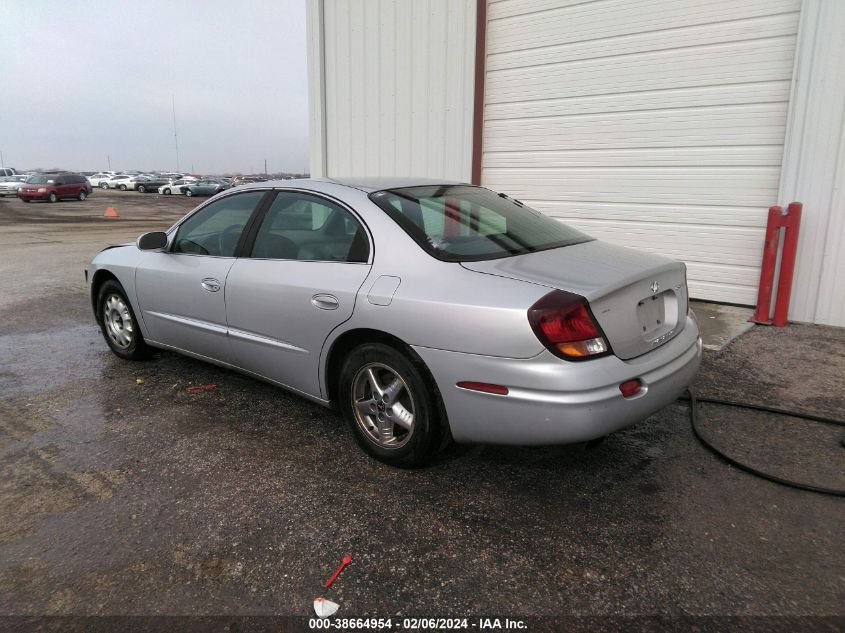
x,y
653,124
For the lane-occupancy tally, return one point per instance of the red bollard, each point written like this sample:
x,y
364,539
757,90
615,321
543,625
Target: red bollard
x,y
767,270
790,222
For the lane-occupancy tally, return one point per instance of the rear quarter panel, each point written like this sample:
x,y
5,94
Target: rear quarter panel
x,y
437,304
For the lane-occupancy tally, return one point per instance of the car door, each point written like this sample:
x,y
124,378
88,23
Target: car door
x,y
60,184
181,290
307,260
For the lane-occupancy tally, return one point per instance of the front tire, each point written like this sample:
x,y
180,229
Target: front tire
x,y
391,405
189,193
142,189
167,192
123,187
52,197
118,323
104,185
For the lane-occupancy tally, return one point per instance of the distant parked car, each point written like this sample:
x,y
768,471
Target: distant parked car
x,y
176,186
9,184
99,177
55,187
246,180
133,183
206,188
8,171
115,181
148,183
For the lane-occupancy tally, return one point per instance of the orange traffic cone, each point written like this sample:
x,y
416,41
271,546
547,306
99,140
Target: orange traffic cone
x,y
111,212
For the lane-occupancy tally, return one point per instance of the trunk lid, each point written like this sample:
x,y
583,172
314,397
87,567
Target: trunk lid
x,y
639,299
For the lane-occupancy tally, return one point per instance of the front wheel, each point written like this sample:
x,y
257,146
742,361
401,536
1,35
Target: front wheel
x,y
391,405
167,192
123,187
141,189
118,323
104,185
189,193
52,197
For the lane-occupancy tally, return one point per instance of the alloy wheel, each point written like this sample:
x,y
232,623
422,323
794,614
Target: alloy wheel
x,y
383,405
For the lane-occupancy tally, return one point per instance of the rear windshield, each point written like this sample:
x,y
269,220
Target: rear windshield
x,y
460,223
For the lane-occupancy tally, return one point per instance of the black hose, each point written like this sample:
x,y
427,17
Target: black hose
x,y
708,442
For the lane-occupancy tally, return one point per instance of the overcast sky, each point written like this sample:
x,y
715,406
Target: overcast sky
x,y
81,81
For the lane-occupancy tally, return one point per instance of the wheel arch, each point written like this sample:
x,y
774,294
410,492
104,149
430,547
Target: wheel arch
x,y
349,340
100,277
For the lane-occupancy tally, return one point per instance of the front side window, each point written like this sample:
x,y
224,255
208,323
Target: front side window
x,y
217,227
305,227
460,223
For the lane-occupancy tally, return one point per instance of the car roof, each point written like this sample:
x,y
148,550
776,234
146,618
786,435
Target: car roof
x,y
367,185
380,184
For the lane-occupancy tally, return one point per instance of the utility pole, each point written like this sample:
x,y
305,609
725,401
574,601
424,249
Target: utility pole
x,y
109,159
2,164
175,138
265,167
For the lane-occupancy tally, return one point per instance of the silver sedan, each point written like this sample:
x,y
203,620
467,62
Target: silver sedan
x,y
424,311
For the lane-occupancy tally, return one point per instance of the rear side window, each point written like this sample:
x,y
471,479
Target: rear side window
x,y
463,223
309,228
216,228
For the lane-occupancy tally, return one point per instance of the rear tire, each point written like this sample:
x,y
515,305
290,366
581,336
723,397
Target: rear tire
x,y
142,189
188,193
82,195
118,323
167,192
123,187
25,199
391,405
104,185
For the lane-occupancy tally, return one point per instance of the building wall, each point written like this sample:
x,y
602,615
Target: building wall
x,y
649,124
814,163
667,126
396,79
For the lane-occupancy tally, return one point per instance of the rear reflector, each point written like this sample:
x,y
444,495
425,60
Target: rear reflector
x,y
630,387
484,387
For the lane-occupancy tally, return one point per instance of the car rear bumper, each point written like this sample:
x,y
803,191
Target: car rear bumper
x,y
551,401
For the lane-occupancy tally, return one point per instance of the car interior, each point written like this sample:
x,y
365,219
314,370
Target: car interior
x,y
294,228
309,230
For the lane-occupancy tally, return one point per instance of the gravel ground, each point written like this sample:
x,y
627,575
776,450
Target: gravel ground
x,y
122,493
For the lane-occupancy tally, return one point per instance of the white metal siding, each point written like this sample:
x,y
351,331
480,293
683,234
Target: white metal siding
x,y
814,163
654,124
398,80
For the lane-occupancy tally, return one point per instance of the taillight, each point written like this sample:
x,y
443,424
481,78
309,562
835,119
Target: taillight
x,y
565,325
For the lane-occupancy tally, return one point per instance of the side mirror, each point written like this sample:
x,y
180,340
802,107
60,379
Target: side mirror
x,y
152,241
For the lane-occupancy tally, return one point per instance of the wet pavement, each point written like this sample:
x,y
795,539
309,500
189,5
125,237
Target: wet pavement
x,y
123,493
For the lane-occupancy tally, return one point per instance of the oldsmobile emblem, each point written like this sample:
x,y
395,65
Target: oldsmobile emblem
x,y
654,287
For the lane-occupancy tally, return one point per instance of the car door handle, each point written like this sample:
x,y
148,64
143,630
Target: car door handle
x,y
325,302
210,284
